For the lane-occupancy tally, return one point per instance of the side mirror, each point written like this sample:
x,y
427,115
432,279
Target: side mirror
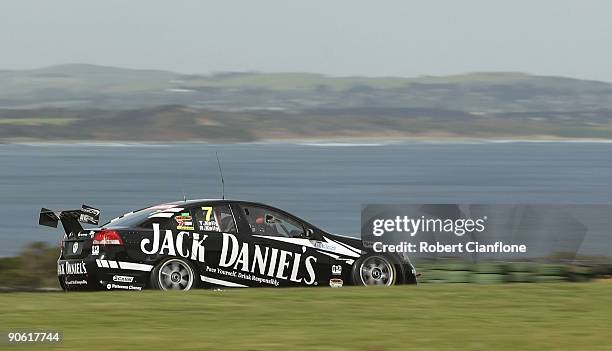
x,y
309,233
270,219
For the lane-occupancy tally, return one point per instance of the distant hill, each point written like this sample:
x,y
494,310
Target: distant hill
x,y
175,123
87,102
80,85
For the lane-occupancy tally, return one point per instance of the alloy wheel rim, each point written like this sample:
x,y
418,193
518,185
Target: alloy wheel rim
x,y
376,270
175,275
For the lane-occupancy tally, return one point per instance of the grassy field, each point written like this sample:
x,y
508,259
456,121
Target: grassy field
x,y
428,317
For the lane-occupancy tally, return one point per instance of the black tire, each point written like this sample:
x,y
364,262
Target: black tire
x,y
174,274
376,270
61,283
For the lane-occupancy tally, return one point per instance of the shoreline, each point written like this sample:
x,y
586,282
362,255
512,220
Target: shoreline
x,y
339,141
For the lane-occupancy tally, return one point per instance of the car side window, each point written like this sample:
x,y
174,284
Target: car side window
x,y
264,221
215,218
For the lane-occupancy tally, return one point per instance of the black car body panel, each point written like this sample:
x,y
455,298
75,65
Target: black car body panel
x,y
228,243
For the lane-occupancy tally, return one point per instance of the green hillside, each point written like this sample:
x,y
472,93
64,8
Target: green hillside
x,y
112,79
86,102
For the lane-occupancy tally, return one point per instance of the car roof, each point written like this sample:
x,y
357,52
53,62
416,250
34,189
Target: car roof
x,y
198,201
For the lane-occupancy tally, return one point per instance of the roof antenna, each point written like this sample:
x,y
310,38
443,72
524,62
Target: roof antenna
x,y
221,172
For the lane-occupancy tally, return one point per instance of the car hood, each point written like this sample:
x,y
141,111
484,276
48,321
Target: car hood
x,y
347,240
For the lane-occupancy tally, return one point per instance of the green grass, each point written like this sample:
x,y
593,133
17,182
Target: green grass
x,y
426,317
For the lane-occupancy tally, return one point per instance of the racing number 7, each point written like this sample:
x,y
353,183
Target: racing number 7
x,y
208,210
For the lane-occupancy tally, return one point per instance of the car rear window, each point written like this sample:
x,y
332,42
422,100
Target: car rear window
x,y
131,219
137,218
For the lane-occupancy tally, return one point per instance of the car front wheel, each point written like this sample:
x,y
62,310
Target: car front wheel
x,y
375,270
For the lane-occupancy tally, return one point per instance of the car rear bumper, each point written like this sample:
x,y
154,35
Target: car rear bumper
x,y
93,273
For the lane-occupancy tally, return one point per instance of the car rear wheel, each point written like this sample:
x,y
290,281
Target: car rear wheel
x,y
375,271
61,283
173,274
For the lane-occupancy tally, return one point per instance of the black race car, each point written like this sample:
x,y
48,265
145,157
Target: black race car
x,y
211,243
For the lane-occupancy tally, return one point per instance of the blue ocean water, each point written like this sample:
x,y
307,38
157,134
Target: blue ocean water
x,y
323,183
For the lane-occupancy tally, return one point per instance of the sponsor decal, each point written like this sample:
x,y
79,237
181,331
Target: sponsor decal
x,y
324,246
336,269
221,282
75,248
240,275
122,279
169,245
89,215
165,212
267,261
162,207
184,221
110,286
328,245
86,218
95,250
123,215
124,265
207,224
76,282
336,283
71,268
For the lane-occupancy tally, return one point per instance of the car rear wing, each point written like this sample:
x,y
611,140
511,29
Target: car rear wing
x,y
71,219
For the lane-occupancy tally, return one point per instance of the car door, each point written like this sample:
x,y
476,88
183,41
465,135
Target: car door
x,y
278,251
217,222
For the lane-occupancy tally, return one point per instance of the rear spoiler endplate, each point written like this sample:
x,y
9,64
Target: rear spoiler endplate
x,y
71,219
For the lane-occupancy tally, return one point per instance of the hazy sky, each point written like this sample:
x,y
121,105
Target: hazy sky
x,y
405,38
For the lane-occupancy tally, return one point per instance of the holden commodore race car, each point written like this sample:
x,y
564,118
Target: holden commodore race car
x,y
213,243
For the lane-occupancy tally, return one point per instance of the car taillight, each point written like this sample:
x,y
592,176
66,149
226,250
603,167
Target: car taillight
x,y
107,237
